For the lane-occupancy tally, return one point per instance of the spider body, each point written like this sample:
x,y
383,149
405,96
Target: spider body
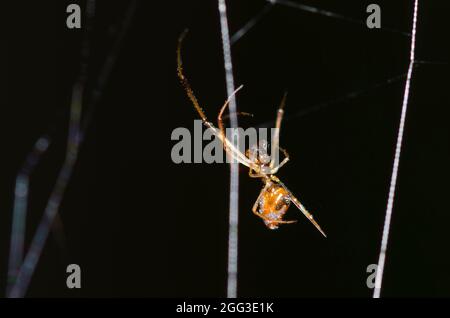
x,y
274,198
272,205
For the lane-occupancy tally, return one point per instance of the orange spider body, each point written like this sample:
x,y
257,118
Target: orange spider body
x,y
274,198
273,204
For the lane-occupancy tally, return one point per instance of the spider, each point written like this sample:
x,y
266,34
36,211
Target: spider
x,y
274,198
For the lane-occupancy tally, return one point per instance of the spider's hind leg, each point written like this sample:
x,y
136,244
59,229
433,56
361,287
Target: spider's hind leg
x,y
299,205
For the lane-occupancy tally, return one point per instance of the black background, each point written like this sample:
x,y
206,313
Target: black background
x,y
140,225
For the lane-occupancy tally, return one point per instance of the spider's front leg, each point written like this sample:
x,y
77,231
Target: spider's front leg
x,y
222,110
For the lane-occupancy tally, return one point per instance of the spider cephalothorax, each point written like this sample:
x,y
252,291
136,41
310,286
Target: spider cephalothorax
x,y
259,155
274,198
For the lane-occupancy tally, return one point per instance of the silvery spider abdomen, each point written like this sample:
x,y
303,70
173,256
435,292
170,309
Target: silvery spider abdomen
x,y
273,205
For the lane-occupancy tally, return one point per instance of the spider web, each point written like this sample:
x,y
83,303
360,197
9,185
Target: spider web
x,y
234,166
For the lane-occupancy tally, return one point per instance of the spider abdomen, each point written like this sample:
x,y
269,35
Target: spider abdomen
x,y
273,205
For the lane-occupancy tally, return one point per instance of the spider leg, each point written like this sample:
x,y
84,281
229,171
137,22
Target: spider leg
x,y
299,205
229,147
239,114
274,170
282,212
276,136
219,116
283,221
255,205
185,82
254,175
